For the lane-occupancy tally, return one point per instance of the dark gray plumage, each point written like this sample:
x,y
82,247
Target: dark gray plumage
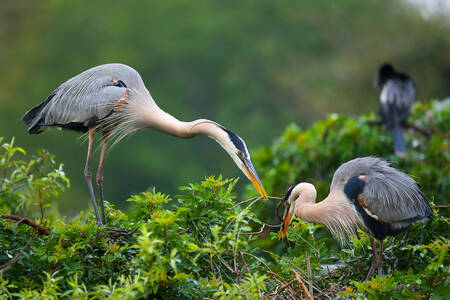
x,y
397,96
389,194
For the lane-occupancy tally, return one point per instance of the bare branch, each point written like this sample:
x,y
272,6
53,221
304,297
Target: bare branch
x,y
301,284
425,132
29,222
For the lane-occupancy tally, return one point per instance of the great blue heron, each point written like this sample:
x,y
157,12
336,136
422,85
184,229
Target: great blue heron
x,y
113,99
397,96
365,193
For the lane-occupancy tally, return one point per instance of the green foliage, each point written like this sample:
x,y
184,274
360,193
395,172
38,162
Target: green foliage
x,y
24,184
198,247
208,243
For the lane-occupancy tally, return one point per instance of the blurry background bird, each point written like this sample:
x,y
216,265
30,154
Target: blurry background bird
x,y
112,99
365,193
398,92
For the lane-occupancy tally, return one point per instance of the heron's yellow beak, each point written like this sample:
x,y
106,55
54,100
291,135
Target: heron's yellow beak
x,y
288,215
253,176
285,226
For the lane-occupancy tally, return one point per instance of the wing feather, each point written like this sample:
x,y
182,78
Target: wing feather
x,y
389,194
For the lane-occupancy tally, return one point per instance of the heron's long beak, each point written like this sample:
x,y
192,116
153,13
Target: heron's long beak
x,y
288,215
253,176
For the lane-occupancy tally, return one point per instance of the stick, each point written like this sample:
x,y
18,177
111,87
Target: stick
x,y
308,267
278,291
29,222
308,295
423,131
442,206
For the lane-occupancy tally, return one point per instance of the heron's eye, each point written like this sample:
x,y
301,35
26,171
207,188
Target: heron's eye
x,y
120,83
239,153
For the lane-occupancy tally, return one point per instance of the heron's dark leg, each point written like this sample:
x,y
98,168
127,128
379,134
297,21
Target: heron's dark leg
x,y
87,175
380,260
100,174
374,259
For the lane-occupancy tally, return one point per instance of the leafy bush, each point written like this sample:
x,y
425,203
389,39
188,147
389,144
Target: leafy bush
x,y
207,243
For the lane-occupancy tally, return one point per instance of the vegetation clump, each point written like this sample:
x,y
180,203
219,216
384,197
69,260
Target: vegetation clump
x,y
207,242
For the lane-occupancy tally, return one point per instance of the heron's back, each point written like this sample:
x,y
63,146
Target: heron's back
x,y
85,99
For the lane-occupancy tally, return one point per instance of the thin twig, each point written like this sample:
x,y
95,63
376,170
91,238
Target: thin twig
x,y
442,206
257,258
308,268
11,263
427,133
422,130
279,291
301,284
262,229
250,205
219,257
40,229
245,201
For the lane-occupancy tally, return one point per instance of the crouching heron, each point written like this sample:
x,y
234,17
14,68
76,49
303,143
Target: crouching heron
x,y
365,193
112,99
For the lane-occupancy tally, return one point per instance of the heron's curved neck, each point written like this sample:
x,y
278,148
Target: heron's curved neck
x,y
335,212
160,120
307,209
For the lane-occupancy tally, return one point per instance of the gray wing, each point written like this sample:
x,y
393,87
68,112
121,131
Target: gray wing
x,y
93,93
392,196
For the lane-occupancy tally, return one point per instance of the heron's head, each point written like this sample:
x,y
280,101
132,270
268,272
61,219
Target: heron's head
x,y
303,191
354,186
236,148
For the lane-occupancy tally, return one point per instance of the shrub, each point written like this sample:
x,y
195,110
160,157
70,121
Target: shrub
x,y
208,243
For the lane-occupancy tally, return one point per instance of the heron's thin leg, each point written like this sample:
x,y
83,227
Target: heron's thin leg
x,y
100,174
380,260
87,175
374,259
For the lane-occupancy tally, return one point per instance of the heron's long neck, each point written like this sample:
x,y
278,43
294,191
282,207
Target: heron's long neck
x,y
160,120
335,212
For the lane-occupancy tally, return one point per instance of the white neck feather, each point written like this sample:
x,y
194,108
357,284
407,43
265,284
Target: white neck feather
x,y
152,116
335,211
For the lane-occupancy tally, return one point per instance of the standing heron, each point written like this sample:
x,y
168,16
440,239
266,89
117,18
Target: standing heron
x,y
112,99
397,96
365,193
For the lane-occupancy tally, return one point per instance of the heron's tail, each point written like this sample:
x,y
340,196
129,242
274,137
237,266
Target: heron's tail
x,y
399,142
33,118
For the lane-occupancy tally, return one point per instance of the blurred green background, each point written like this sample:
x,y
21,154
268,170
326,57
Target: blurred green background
x,y
252,66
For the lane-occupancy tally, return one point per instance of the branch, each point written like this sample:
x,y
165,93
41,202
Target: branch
x,y
308,268
427,133
11,263
301,284
40,229
442,206
419,129
279,290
